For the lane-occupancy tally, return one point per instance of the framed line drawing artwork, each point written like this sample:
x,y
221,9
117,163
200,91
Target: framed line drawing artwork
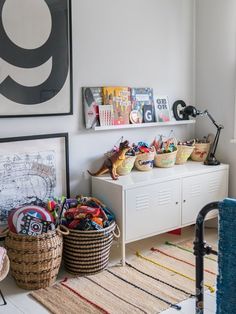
x,y
35,58
32,169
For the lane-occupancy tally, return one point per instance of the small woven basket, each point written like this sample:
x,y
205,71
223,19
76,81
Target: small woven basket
x,y
87,252
145,161
166,160
34,260
183,153
126,166
200,151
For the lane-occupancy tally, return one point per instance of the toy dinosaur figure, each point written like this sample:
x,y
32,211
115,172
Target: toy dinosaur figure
x,y
112,163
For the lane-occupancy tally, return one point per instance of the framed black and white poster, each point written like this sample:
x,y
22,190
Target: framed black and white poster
x,y
35,58
32,169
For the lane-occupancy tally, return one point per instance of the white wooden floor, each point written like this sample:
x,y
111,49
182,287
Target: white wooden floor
x,y
18,300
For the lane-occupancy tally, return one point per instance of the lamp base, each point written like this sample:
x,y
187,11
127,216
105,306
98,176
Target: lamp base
x,y
211,162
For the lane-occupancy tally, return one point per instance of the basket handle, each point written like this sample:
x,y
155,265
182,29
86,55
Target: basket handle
x,y
116,235
193,140
63,230
4,233
175,141
152,150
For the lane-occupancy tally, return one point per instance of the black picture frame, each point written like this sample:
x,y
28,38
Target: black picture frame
x,y
38,80
32,169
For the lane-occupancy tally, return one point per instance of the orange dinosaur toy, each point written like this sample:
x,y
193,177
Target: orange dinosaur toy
x,y
112,163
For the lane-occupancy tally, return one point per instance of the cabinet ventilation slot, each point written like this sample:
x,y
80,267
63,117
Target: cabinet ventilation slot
x,y
142,202
164,197
214,186
195,190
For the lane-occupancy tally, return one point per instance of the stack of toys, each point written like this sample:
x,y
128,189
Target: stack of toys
x,y
81,213
86,213
34,220
164,146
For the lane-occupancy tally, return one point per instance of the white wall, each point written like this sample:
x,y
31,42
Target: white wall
x,y
215,74
127,42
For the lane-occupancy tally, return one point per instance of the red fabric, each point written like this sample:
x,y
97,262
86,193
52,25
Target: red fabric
x,y
176,231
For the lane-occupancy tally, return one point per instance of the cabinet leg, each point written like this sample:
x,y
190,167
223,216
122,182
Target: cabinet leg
x,y
123,253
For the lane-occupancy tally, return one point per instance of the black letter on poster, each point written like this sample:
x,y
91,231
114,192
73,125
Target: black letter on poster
x,y
55,47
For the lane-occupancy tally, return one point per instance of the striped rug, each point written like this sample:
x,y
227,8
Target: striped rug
x,y
149,283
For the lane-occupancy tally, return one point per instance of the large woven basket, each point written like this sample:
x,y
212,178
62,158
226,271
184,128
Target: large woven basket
x,y
34,260
87,252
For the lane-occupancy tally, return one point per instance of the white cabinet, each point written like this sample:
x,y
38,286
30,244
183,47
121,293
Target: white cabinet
x,y
202,189
152,208
163,199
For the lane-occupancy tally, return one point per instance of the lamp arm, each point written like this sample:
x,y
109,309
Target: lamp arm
x,y
211,159
218,126
215,142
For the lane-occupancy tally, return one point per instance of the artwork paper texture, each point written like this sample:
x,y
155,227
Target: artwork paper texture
x,y
119,98
35,58
31,171
148,113
162,111
92,99
141,97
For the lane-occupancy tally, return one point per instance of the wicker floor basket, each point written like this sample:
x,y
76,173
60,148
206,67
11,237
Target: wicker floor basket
x,y
34,260
87,252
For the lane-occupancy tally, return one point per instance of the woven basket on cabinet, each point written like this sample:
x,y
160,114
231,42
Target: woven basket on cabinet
x,y
200,151
183,153
126,166
145,161
165,160
34,260
87,252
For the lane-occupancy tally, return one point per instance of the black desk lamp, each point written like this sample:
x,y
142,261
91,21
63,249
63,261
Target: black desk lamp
x,y
183,112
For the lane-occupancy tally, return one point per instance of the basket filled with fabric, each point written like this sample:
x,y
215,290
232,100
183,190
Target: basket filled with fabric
x,y
91,232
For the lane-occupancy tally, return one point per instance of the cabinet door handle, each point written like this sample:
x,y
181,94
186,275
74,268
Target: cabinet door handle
x,y
184,201
176,203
